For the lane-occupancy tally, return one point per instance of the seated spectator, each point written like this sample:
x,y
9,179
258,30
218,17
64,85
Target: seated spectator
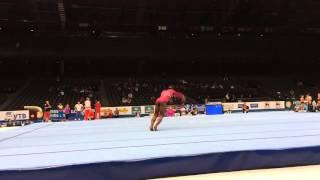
x,y
302,103
297,106
314,106
116,113
194,111
60,111
227,97
61,93
129,100
78,108
245,108
170,111
124,100
138,114
109,114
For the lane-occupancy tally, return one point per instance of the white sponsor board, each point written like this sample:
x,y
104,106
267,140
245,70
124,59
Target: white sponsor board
x,y
264,105
128,110
14,115
124,110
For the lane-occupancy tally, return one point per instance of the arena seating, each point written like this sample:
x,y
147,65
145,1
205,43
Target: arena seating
x,y
42,89
3,98
197,90
9,86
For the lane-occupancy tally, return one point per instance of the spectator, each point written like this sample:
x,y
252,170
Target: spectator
x,y
302,103
170,111
309,102
314,106
116,113
60,111
299,83
124,100
206,100
138,114
152,98
234,98
61,92
188,108
227,96
245,108
291,92
98,109
78,108
67,111
47,108
129,100
194,110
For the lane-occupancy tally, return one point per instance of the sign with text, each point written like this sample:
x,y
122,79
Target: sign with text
x,y
14,115
264,105
136,109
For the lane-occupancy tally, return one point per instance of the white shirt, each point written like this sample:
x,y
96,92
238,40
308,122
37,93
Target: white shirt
x,y
78,107
87,104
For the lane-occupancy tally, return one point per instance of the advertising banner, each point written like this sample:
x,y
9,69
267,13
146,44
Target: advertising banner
x,y
125,110
264,105
148,109
136,109
14,115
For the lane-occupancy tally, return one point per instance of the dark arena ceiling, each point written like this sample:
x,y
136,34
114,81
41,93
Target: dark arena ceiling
x,y
99,17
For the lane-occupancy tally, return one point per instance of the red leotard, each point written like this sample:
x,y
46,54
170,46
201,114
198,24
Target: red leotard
x,y
166,95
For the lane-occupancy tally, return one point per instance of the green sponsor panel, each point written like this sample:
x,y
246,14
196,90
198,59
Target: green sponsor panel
x,y
136,109
149,109
54,115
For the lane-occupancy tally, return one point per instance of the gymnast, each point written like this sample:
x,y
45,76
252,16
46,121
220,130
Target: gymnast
x,y
161,103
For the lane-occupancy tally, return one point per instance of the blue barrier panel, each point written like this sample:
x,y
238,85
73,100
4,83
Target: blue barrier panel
x,y
214,109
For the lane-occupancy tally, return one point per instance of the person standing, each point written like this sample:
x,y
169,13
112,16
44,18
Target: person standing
x,y
78,108
67,111
87,109
98,109
116,113
47,108
60,111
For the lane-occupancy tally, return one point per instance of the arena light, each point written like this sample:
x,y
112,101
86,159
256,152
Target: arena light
x,y
0,28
